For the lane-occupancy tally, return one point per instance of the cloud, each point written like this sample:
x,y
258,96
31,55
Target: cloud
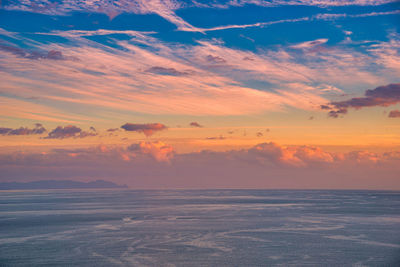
x,y
148,129
166,71
320,3
271,153
259,134
310,44
298,156
24,108
331,16
215,59
69,131
52,54
394,114
195,124
112,129
336,113
164,8
266,165
322,16
158,150
384,96
288,77
39,129
221,137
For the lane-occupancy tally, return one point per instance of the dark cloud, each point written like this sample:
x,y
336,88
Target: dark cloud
x,y
13,50
113,130
195,124
39,129
216,138
394,114
4,131
148,128
167,71
259,134
336,113
325,107
56,55
69,131
25,53
384,96
92,129
248,58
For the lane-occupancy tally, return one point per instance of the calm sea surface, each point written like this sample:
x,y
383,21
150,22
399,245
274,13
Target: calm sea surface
x,y
199,228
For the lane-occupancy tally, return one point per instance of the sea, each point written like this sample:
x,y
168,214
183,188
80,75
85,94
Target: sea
x,y
122,227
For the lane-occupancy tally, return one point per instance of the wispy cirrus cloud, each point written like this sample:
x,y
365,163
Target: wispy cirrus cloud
x,y
26,107
166,9
321,3
321,17
191,76
310,44
163,8
99,69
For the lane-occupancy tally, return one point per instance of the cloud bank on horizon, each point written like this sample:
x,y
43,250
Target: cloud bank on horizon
x,y
264,165
135,66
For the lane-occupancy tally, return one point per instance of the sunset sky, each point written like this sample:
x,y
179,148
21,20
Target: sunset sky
x,y
201,94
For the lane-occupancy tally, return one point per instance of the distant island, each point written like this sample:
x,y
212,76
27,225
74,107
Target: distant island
x,y
60,184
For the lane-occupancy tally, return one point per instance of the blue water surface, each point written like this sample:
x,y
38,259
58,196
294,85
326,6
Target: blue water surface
x,y
199,228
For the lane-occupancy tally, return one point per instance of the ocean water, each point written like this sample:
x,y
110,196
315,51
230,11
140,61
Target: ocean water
x,y
199,228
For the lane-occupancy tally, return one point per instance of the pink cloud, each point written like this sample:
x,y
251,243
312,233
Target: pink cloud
x,y
157,149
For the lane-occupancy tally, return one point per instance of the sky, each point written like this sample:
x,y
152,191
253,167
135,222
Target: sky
x,y
201,94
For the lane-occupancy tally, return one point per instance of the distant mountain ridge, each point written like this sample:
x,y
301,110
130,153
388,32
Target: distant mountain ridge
x,y
60,184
